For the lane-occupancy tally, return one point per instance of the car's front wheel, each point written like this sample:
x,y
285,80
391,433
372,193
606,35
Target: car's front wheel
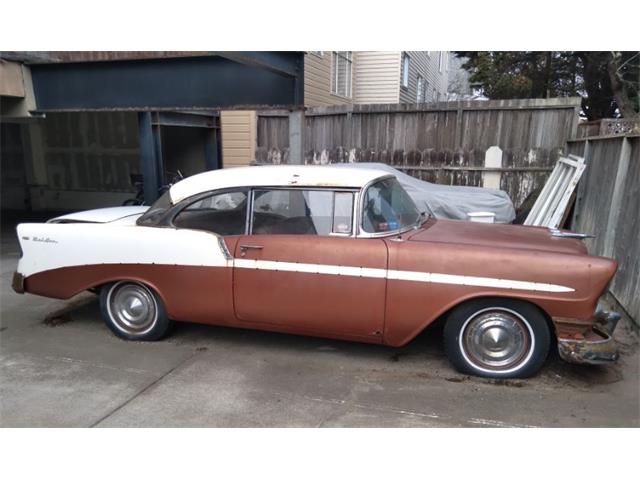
x,y
497,338
133,311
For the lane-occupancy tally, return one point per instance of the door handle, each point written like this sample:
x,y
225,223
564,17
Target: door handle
x,y
244,248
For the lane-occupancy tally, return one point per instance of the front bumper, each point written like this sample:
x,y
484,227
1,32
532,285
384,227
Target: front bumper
x,y
595,347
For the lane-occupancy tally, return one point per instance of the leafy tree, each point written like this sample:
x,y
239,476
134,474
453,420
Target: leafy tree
x,y
609,82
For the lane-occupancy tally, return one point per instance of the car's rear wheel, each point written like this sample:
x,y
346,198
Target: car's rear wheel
x,y
497,338
133,311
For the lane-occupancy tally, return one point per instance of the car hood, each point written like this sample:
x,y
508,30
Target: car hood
x,y
102,215
496,236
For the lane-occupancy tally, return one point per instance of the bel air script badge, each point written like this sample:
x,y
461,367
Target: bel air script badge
x,y
44,240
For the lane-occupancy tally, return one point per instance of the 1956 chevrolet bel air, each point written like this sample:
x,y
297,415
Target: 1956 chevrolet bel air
x,y
340,253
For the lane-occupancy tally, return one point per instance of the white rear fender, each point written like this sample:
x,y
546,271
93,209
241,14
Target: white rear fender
x,y
47,246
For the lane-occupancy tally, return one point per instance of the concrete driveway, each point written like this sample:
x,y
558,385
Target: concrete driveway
x,y
73,372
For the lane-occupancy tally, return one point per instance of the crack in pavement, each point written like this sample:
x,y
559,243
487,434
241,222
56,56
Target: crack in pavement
x,y
431,415
145,389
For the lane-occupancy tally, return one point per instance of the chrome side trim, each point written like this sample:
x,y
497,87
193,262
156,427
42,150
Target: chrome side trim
x,y
559,233
223,248
404,275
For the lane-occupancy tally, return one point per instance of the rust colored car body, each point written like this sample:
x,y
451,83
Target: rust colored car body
x,y
317,251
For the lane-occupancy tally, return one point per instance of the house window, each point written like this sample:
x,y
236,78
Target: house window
x,y
341,69
440,61
435,96
404,79
420,90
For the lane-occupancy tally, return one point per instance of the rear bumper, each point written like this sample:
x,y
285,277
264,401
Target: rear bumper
x,y
597,346
18,282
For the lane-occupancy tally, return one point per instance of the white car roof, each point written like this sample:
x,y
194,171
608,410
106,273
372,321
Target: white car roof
x,y
273,176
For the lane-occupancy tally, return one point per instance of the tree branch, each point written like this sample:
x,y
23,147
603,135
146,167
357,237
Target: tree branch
x,y
626,106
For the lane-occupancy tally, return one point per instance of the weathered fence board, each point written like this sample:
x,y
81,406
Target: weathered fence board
x,y
444,138
608,206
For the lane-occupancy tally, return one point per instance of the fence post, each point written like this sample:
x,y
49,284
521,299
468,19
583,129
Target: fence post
x,y
492,159
296,137
457,142
616,199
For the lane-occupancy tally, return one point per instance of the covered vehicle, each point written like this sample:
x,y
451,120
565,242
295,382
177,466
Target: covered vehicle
x,y
339,253
448,201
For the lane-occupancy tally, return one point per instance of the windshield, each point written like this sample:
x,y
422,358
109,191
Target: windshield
x,y
159,207
387,207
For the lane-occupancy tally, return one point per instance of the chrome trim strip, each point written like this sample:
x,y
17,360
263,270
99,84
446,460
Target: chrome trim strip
x,y
404,275
224,249
559,233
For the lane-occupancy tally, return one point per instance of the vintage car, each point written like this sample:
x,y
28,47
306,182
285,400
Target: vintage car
x,y
338,253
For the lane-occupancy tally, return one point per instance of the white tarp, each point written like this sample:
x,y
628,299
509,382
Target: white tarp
x,y
447,201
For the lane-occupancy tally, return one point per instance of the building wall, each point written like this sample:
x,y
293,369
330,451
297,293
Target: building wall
x,y
238,138
69,161
439,78
377,77
83,160
16,91
317,81
13,185
11,81
426,64
77,161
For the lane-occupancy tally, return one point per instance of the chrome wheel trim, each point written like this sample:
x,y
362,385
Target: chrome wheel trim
x,y
496,340
132,308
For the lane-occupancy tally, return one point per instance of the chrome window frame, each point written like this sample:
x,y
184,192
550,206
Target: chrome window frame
x,y
354,212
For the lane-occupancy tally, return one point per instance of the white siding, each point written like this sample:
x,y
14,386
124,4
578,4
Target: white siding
x,y
377,77
238,138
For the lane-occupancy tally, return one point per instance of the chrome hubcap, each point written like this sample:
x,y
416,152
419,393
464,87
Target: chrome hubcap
x,y
496,339
132,307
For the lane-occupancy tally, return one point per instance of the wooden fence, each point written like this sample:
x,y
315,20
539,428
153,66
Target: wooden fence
x,y
609,126
608,206
444,142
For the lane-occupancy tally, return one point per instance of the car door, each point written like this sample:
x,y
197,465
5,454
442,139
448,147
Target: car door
x,y
301,270
205,293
